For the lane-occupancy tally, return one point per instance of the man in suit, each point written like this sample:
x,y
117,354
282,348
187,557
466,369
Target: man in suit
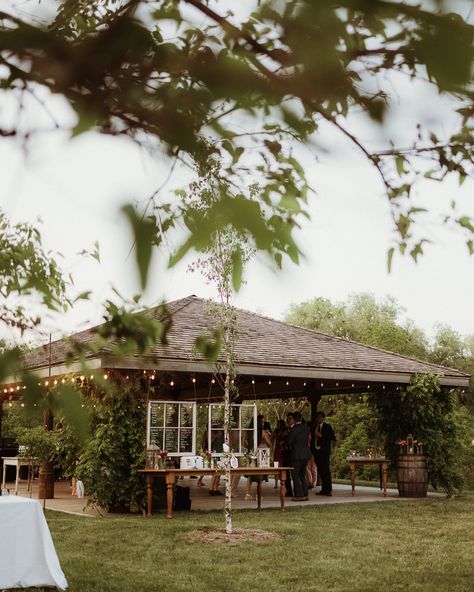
x,y
323,437
298,443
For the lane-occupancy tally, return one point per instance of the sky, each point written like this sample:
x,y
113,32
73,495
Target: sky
x,y
78,186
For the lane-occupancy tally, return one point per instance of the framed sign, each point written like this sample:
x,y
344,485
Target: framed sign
x,y
243,428
171,426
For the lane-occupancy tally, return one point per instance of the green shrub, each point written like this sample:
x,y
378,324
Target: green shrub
x,y
108,467
431,414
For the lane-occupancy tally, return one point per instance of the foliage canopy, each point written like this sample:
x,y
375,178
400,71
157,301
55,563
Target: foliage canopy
x,y
209,79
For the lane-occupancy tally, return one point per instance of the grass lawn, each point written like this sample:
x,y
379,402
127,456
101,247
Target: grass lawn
x,y
395,546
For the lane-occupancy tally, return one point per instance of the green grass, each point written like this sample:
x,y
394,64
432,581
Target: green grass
x,y
395,546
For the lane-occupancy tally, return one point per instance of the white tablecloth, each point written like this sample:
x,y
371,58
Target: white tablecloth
x,y
27,553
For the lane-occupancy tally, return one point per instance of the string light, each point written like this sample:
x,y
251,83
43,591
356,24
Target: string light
x,y
106,376
127,377
270,381
18,388
193,380
92,377
5,391
352,385
213,381
63,380
253,381
22,404
304,383
55,382
153,377
287,383
83,377
172,383
46,382
322,384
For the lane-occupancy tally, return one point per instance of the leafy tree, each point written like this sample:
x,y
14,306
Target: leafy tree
x,y
222,265
430,414
364,319
26,270
202,79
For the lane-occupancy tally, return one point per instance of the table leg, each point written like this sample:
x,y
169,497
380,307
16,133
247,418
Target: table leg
x,y
17,478
384,478
149,494
282,490
259,492
169,494
4,472
353,477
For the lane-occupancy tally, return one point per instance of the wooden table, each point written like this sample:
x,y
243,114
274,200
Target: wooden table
x,y
172,474
17,461
358,461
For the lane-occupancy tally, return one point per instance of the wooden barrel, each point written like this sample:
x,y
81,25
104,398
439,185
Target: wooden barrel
x,y
412,475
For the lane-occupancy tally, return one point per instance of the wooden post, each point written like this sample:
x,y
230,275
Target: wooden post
x,y
46,472
2,398
314,397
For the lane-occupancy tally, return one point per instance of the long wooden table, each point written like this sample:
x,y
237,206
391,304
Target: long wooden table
x,y
172,474
358,461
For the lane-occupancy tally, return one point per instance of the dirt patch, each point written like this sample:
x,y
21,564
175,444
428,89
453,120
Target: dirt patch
x,y
238,536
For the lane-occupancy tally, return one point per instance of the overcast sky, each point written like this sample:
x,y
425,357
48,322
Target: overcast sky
x,y
77,187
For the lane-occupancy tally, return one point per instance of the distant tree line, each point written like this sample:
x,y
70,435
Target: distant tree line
x,y
356,418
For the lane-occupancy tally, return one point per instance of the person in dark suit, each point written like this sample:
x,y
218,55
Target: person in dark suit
x,y
323,437
298,444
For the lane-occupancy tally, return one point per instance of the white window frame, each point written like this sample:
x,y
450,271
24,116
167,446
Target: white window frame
x,y
164,428
239,429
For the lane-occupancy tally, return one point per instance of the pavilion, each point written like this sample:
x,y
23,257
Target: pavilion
x,y
274,360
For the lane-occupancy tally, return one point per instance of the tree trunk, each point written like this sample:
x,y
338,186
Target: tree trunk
x,y
46,472
227,451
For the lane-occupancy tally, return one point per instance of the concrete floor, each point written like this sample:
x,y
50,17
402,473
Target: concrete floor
x,y
202,501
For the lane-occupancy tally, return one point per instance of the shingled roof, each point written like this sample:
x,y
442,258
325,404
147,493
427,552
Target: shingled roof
x,y
265,347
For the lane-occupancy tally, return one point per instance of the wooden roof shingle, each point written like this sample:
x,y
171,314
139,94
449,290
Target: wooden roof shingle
x,y
263,343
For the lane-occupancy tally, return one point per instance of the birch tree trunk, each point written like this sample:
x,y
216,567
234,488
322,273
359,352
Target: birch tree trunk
x,y
227,451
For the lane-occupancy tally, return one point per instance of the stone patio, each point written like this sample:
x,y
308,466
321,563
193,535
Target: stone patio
x,y
202,501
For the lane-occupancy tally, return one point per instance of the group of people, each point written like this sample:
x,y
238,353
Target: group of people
x,y
306,447
294,443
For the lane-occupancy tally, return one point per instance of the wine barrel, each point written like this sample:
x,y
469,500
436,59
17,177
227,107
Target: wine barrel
x,y
412,475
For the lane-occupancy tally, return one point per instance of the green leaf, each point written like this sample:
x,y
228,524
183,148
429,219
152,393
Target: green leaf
x,y
400,162
390,253
466,222
237,270
144,233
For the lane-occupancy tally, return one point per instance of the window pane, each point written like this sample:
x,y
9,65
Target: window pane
x,y
156,437
185,440
171,418
171,440
186,415
217,440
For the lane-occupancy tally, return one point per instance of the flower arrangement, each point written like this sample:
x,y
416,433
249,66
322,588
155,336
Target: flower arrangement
x,y
206,458
410,446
